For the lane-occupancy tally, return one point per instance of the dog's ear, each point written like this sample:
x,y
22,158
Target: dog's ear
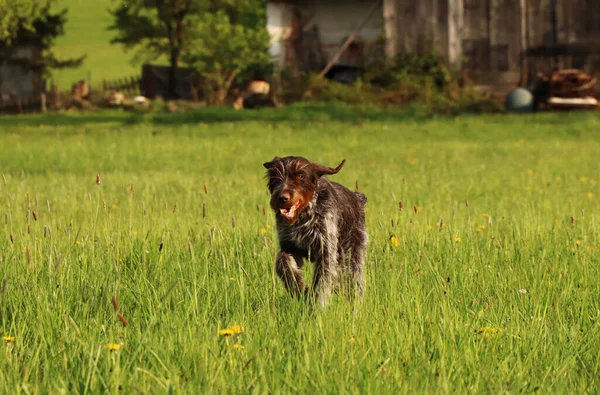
x,y
322,170
271,164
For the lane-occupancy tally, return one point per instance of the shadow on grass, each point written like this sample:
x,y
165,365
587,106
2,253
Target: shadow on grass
x,y
301,112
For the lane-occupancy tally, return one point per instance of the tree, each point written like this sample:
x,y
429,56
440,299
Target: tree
x,y
16,14
222,49
157,28
32,24
193,31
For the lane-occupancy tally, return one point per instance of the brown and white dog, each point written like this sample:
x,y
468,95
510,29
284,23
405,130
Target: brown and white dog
x,y
318,220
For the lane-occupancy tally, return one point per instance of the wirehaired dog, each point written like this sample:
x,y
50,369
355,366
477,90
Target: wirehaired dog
x,y
318,220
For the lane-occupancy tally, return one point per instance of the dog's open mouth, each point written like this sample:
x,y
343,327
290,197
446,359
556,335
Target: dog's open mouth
x,y
289,212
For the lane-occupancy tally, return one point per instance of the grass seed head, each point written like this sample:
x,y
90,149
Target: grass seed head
x,y
115,303
122,319
98,179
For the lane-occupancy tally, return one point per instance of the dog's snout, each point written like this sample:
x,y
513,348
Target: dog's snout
x,y
284,198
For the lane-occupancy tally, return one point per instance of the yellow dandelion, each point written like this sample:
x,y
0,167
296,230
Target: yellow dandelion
x,y
593,182
238,346
232,278
237,329
590,195
583,179
395,242
8,339
262,231
457,239
226,332
268,226
489,331
78,242
483,227
352,340
578,242
113,347
530,172
430,228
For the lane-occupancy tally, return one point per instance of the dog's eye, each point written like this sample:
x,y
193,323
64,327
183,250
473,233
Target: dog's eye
x,y
300,177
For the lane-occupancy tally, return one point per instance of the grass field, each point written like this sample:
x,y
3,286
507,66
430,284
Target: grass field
x,y
502,296
86,33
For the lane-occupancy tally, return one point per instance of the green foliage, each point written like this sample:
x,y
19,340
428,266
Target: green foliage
x,y
215,36
407,89
503,297
389,73
222,49
38,33
15,15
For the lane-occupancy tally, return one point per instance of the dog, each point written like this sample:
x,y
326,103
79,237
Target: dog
x,y
318,220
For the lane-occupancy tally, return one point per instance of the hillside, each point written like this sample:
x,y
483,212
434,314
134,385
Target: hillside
x,y
87,32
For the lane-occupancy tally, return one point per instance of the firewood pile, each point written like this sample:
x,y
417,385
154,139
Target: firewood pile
x,y
570,88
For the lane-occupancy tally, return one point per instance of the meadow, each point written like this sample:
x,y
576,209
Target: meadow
x,y
136,254
86,33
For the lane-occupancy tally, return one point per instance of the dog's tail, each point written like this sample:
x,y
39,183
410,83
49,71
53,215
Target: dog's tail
x,y
361,197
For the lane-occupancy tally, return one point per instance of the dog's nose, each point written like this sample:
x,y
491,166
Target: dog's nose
x,y
284,198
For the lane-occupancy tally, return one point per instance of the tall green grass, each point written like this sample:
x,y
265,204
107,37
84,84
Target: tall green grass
x,y
502,296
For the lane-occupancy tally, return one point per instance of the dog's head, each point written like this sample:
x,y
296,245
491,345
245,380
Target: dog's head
x,y
292,182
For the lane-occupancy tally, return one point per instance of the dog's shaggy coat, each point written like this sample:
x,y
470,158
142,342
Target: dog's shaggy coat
x,y
318,220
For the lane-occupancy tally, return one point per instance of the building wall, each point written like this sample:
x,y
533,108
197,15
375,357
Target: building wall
x,y
325,27
24,83
488,34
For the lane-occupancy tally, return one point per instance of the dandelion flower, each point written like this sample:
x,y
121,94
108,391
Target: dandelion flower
x,y
226,332
238,346
590,195
430,228
262,231
113,347
352,340
457,239
578,242
8,339
234,330
395,242
232,278
237,329
489,331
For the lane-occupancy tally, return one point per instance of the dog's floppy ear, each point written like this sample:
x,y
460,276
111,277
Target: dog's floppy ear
x,y
269,165
322,170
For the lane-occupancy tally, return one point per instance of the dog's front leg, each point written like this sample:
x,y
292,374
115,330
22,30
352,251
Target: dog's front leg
x,y
287,267
325,276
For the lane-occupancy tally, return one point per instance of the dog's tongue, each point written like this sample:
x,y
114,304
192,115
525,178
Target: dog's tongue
x,y
288,212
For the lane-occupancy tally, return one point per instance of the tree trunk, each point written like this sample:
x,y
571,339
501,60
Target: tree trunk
x,y
174,63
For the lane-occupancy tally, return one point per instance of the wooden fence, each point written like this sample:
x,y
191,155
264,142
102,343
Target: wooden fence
x,y
12,104
127,86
